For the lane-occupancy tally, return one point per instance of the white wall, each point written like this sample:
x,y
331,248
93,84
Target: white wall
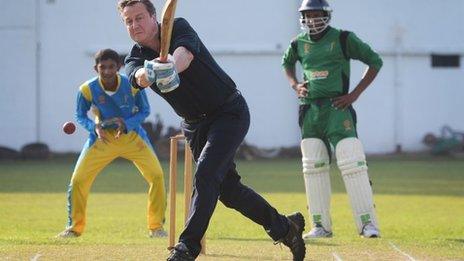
x,y
18,74
427,98
408,99
72,31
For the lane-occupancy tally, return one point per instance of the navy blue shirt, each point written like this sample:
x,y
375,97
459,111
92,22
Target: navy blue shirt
x,y
204,86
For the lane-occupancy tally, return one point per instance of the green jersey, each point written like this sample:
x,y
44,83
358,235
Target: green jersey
x,y
326,62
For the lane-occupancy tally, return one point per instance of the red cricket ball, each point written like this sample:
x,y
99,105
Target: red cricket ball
x,y
69,127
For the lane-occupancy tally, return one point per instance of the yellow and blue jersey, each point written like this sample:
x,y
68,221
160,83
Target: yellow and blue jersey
x,y
127,102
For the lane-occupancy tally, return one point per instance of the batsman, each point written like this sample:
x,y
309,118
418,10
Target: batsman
x,y
215,121
326,115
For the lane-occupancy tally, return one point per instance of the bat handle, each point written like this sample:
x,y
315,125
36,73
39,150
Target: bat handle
x,y
163,58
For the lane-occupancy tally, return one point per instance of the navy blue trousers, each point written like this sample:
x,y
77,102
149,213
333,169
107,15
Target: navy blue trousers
x,y
214,142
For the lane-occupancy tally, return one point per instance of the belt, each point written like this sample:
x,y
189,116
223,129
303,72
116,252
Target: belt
x,y
203,116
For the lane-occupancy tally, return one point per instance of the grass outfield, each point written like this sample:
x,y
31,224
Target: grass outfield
x,y
420,205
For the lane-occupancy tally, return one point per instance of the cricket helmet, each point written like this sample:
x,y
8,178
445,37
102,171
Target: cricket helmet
x,y
314,25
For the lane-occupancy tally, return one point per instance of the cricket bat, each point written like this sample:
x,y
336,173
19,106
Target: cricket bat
x,y
167,21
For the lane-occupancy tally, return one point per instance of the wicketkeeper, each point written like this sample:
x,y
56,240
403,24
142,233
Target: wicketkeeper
x,y
327,116
116,132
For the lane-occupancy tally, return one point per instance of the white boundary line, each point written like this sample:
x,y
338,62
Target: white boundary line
x,y
401,252
336,256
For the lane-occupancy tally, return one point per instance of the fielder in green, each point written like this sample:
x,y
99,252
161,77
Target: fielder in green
x,y
327,117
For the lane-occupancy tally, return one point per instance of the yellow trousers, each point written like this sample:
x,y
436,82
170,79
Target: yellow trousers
x,y
97,156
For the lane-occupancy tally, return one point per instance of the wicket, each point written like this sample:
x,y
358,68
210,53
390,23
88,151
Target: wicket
x,y
173,187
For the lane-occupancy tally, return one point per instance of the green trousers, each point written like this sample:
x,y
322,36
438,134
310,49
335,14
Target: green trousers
x,y
323,121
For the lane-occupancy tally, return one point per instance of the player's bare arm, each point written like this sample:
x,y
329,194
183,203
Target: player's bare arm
x,y
344,101
300,88
182,58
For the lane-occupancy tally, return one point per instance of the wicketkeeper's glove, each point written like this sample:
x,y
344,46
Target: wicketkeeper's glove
x,y
113,123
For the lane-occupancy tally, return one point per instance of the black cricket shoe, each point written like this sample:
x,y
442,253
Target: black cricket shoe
x,y
180,252
294,238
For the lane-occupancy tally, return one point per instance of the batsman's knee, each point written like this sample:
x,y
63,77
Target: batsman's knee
x,y
315,156
153,175
233,195
227,201
350,156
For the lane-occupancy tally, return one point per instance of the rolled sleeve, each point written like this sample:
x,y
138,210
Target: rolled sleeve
x,y
184,35
290,56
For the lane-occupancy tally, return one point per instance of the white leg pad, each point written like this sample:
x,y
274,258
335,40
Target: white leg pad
x,y
317,181
352,163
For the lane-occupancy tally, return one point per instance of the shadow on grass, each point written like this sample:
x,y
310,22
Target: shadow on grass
x,y
389,176
310,242
458,240
52,241
245,239
316,242
241,257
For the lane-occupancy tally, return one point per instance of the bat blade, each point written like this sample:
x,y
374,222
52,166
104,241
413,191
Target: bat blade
x,y
167,21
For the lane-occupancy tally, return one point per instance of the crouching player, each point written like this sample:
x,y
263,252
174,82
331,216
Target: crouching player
x,y
327,116
116,132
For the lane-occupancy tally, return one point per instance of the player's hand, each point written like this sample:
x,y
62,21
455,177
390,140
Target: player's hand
x,y
345,101
141,78
115,123
101,134
166,76
121,127
301,89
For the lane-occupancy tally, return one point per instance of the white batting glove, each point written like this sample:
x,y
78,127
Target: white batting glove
x,y
167,78
164,74
149,71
